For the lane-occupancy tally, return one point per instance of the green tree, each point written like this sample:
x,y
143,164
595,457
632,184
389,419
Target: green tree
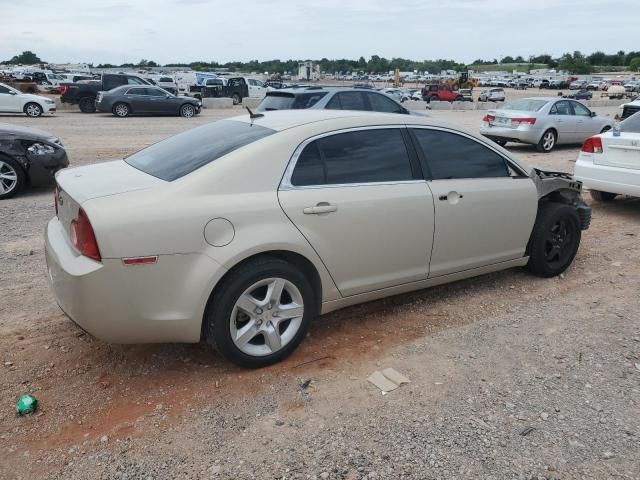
x,y
507,59
634,65
26,58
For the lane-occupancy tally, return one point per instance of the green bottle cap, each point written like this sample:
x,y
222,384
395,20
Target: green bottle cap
x,y
26,404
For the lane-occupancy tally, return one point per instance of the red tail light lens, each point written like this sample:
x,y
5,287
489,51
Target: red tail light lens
x,y
63,89
83,238
488,118
592,145
523,121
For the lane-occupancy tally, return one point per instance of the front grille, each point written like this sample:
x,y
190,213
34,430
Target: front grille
x,y
629,110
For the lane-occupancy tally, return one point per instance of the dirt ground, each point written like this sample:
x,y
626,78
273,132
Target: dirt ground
x,y
512,376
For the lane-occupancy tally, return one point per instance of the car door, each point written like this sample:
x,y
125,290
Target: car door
x,y
485,207
586,124
9,100
138,99
360,200
159,103
564,121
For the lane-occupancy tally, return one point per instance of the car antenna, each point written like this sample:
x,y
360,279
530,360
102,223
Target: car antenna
x,y
253,116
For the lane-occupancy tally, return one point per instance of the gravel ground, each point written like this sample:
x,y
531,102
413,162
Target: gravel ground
x,y
512,376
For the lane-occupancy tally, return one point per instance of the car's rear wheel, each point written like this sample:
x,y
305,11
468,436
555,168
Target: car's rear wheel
x,y
547,141
555,240
260,313
87,105
187,110
599,196
121,110
33,110
12,177
236,99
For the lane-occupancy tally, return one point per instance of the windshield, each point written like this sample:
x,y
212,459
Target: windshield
x,y
631,124
525,105
289,101
181,154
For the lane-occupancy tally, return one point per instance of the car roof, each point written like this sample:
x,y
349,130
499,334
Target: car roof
x,y
322,88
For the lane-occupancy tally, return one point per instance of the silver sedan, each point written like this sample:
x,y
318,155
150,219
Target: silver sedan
x,y
544,122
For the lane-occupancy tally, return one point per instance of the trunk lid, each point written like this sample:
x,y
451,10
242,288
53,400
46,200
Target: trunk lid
x,y
77,185
621,152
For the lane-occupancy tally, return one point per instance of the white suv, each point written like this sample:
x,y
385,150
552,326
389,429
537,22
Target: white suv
x,y
492,95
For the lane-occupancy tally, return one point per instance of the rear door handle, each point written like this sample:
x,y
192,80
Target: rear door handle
x,y
322,207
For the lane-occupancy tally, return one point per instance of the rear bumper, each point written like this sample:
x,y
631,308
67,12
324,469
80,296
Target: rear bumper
x,y
623,181
163,302
528,135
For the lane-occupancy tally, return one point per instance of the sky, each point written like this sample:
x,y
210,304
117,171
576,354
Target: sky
x,y
118,31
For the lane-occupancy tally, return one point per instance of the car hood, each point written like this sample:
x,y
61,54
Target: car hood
x,y
26,133
104,179
32,97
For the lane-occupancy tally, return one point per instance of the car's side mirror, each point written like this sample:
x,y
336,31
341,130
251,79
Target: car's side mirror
x,y
13,93
593,114
167,96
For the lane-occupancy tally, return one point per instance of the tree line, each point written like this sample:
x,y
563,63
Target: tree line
x,y
575,62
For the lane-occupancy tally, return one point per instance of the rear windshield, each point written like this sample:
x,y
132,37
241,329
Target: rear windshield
x,y
289,101
180,155
525,105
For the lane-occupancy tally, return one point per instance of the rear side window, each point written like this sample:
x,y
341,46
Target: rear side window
x,y
137,91
380,103
180,155
365,156
450,155
347,101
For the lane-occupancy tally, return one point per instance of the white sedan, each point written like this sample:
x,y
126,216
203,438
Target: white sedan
x,y
14,101
243,230
610,165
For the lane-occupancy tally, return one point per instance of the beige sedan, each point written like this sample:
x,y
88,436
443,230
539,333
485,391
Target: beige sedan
x,y
243,230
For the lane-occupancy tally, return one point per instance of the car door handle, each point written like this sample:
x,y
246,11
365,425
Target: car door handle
x,y
322,207
452,197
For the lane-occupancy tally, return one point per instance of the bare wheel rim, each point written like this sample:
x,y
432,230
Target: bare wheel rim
x,y
8,178
122,110
33,110
266,317
558,243
187,111
548,141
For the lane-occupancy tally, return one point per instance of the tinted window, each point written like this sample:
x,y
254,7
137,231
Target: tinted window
x,y
182,154
4,89
380,103
347,101
289,101
165,79
450,155
354,157
137,91
156,92
135,81
581,110
561,108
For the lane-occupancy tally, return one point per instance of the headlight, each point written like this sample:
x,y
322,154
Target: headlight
x,y
41,149
49,101
199,104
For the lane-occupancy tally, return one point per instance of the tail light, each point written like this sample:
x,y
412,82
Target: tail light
x,y
63,89
488,118
523,121
83,238
592,145
55,199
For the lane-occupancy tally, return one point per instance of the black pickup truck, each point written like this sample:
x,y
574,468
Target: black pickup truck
x,y
235,88
84,94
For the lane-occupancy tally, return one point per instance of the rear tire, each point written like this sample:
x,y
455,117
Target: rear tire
x,y
12,177
547,141
554,241
599,196
236,99
87,105
225,320
121,110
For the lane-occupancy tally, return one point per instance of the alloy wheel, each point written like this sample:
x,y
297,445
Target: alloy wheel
x,y
33,110
8,178
188,111
548,141
266,317
558,243
122,110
